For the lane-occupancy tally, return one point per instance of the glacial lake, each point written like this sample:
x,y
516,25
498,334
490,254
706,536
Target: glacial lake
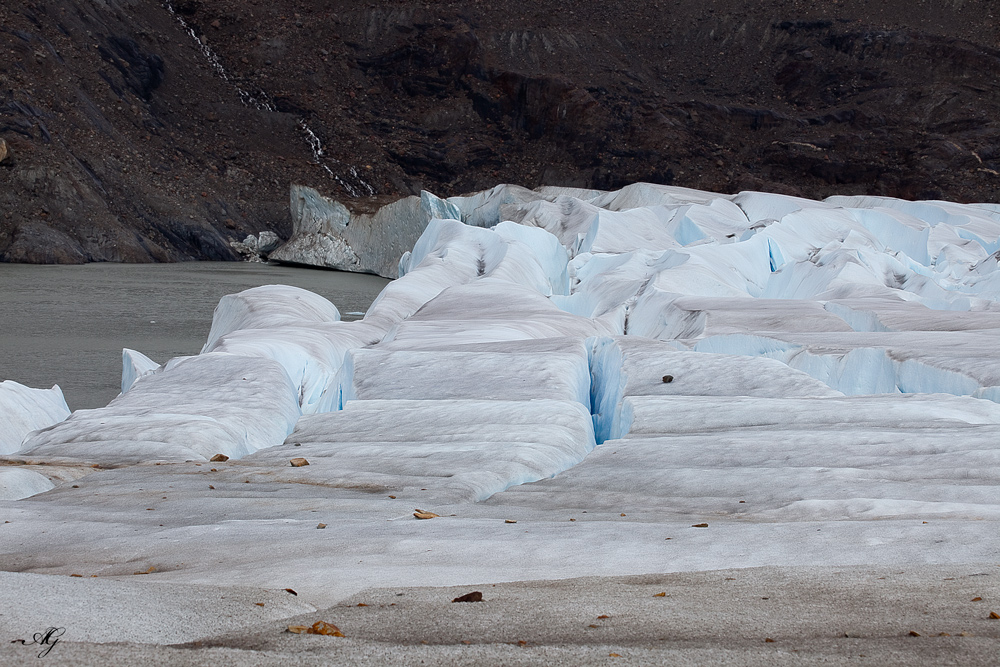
x,y
67,325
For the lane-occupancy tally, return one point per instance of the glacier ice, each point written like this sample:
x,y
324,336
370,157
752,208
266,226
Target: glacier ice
x,y
326,234
17,483
511,372
638,360
456,449
193,408
23,410
266,307
134,366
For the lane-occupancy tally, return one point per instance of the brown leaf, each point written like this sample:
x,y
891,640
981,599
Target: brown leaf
x,y
474,596
521,642
298,462
914,633
219,458
768,640
324,628
976,599
151,569
393,497
362,604
699,525
603,616
623,513
289,590
321,525
259,604
661,595
211,487
509,521
593,626
993,614
76,575
426,515
613,655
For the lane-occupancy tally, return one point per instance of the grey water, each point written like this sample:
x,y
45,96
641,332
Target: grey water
x,y
67,325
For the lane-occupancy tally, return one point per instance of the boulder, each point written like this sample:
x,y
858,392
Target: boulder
x,y
267,242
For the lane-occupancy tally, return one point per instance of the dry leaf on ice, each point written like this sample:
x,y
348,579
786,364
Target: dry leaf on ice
x,y
324,628
317,628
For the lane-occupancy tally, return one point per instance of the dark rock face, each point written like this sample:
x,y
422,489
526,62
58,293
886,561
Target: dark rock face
x,y
141,130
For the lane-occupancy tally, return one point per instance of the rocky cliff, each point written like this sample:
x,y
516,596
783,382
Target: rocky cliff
x,y
139,130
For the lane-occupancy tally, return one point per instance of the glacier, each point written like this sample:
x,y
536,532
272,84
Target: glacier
x,y
567,378
23,410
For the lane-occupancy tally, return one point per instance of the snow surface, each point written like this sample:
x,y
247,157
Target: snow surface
x,y
817,381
